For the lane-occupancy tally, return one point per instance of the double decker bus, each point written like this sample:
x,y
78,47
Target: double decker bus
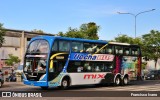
x,y
52,61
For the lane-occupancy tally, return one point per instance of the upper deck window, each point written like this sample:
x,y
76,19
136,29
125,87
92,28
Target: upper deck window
x,y
135,51
55,46
118,49
126,51
100,49
64,46
93,48
89,48
77,47
38,46
110,49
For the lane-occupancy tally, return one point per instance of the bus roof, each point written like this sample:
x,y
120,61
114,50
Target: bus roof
x,y
70,39
82,40
125,44
117,43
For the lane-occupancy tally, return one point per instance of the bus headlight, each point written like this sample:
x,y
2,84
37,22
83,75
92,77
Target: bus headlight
x,y
42,77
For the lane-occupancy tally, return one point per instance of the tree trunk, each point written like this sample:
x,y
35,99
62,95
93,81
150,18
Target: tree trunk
x,y
156,63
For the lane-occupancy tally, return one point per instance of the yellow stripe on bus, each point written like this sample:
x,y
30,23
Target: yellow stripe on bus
x,y
53,56
101,48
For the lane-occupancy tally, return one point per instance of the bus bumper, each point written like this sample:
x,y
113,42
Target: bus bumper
x,y
35,83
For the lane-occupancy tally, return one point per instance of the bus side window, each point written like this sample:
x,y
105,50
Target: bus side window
x,y
97,69
79,66
90,48
126,50
118,49
99,49
77,47
87,67
121,51
64,46
135,51
74,66
55,46
110,49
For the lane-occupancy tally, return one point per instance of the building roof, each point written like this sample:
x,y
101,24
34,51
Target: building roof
x,y
30,34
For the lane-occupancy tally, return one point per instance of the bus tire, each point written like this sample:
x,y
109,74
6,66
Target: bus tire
x,y
117,81
125,81
44,87
65,83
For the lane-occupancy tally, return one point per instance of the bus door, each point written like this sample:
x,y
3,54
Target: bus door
x,y
55,68
52,70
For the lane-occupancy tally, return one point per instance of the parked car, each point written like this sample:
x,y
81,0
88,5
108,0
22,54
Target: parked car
x,y
1,79
153,75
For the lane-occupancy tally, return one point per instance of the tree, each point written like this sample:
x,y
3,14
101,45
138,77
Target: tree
x,y
37,31
90,30
86,31
12,60
130,40
2,33
151,42
74,33
124,39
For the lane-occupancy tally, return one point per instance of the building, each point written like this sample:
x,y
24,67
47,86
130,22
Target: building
x,y
16,42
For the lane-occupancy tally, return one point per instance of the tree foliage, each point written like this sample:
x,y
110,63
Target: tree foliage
x,y
151,45
12,60
86,31
37,31
124,39
130,40
2,33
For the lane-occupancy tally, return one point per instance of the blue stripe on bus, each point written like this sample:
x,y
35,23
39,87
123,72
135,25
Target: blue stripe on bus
x,y
35,83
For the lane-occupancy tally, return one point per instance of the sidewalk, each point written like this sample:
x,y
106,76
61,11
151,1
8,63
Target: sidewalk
x,y
9,86
13,84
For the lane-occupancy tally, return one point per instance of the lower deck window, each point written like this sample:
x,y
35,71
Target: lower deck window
x,y
75,66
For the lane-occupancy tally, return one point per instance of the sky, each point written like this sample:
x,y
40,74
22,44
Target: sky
x,y
53,16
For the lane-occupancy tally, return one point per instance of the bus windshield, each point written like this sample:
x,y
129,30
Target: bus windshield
x,y
38,46
35,64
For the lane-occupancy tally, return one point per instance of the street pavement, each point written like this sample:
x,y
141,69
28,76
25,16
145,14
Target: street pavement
x,y
147,85
139,86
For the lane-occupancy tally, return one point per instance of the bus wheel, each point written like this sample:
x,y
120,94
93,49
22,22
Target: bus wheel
x,y
125,81
44,87
65,84
117,81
